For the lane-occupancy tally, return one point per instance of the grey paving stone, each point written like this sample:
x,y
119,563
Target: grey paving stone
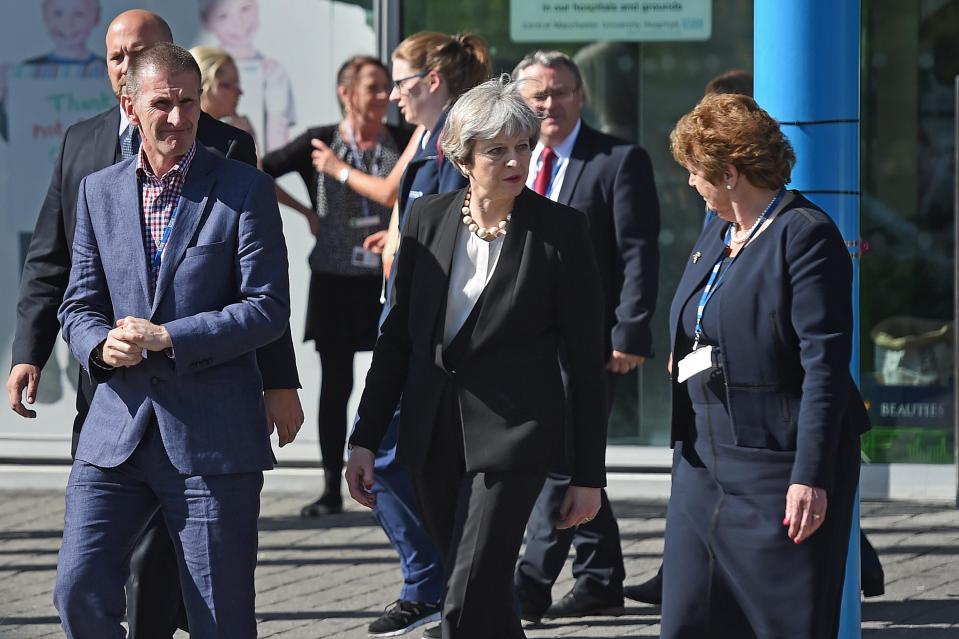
x,y
331,577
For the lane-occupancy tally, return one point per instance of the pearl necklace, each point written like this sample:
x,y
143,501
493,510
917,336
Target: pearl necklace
x,y
488,233
740,237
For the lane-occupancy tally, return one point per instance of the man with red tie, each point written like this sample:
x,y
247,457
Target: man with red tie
x,y
611,182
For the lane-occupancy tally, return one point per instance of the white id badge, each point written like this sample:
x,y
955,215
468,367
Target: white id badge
x,y
365,259
698,361
364,221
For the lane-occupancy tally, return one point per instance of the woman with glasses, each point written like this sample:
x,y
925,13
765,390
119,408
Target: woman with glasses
x,y
344,297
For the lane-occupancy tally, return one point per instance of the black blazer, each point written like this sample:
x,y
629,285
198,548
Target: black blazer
x,y
785,340
545,291
87,147
611,181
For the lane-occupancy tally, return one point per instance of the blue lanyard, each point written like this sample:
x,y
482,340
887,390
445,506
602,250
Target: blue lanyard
x,y
715,277
158,256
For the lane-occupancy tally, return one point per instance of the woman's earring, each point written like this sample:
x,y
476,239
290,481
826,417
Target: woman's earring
x,y
729,187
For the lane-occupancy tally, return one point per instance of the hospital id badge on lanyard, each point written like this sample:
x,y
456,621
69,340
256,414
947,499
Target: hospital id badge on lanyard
x,y
703,357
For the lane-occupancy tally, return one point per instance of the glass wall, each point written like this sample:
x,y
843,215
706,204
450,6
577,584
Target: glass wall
x,y
636,91
910,62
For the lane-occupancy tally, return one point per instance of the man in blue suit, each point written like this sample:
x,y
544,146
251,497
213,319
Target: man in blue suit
x,y
179,274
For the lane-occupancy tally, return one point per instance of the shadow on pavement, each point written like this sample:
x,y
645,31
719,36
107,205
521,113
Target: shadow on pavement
x,y
914,612
343,520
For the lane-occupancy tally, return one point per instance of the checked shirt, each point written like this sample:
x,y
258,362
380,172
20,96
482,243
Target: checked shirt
x,y
159,197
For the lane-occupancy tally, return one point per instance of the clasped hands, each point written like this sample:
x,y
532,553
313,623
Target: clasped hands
x,y
125,344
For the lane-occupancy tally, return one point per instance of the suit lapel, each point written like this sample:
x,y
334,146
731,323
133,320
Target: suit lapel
x,y
447,231
131,227
105,139
193,199
706,253
574,166
497,297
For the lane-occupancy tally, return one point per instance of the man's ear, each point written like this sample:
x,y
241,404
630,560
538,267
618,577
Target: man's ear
x,y
126,103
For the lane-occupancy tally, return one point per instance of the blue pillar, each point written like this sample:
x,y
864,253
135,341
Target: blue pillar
x,y
806,68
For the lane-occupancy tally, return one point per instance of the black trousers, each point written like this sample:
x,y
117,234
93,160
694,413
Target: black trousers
x,y
154,602
598,566
476,521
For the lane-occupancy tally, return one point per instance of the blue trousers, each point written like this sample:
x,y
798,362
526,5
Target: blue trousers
x,y
212,521
397,510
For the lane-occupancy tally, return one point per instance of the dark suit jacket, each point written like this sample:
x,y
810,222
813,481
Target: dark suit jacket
x,y
785,340
611,181
543,293
87,147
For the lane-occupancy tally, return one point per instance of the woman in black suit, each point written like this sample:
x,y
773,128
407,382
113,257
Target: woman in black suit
x,y
766,417
491,280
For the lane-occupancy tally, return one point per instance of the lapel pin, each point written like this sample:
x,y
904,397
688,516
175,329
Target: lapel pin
x,y
696,256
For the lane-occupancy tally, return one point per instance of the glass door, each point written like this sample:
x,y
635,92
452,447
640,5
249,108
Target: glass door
x,y
910,62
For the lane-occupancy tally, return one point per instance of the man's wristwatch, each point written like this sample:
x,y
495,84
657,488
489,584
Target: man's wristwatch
x,y
96,356
344,175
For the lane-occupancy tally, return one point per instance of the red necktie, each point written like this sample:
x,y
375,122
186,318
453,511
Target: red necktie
x,y
545,175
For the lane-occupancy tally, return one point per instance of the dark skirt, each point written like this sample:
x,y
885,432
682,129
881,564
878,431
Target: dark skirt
x,y
729,568
343,311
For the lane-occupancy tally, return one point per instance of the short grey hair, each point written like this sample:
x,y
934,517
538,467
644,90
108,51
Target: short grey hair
x,y
482,113
550,60
163,57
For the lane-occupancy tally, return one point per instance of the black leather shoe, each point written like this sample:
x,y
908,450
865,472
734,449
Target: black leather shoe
x,y
578,604
321,507
649,592
433,632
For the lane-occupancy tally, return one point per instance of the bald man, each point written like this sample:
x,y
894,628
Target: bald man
x,y
87,147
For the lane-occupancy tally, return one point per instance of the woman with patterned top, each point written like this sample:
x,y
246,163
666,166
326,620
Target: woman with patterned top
x,y
344,297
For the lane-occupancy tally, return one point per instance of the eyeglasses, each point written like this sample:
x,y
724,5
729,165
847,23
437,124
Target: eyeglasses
x,y
559,95
398,84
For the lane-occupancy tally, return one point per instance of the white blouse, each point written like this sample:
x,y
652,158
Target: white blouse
x,y
474,261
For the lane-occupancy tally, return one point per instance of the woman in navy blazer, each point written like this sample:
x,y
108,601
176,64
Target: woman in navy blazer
x,y
766,417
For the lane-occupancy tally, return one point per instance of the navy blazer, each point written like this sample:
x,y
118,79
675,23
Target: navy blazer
x,y
427,173
611,181
222,292
785,340
544,292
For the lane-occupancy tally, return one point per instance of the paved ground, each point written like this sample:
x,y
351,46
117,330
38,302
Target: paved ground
x,y
329,579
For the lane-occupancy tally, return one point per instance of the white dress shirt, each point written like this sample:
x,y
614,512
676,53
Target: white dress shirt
x,y
560,162
474,261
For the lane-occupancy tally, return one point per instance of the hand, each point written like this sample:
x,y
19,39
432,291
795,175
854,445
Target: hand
x,y
376,242
359,476
144,333
314,221
579,506
284,412
805,511
324,160
622,363
23,376
120,352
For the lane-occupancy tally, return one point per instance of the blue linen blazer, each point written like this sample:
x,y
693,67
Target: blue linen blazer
x,y
222,292
785,340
